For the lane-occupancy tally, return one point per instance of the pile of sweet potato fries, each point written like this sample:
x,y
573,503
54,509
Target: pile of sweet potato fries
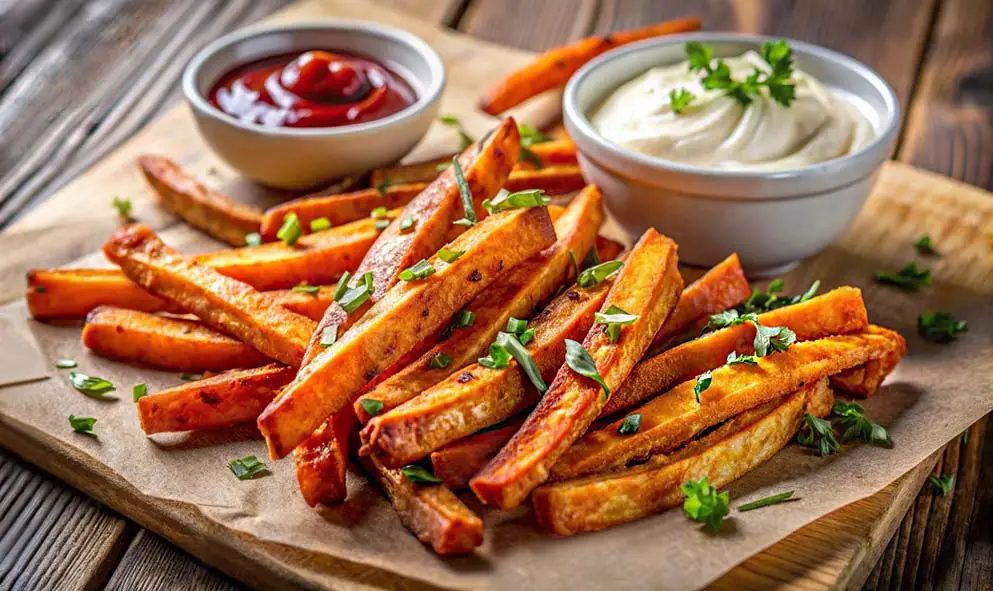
x,y
451,336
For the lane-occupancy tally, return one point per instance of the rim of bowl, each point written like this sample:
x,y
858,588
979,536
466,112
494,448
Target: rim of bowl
x,y
891,112
432,93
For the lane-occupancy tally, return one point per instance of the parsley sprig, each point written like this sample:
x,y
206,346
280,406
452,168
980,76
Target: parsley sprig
x,y
704,504
910,277
778,81
940,327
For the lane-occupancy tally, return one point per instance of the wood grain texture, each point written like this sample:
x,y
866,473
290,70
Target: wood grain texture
x,y
152,563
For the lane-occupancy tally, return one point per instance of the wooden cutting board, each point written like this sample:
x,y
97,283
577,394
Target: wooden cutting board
x,y
835,552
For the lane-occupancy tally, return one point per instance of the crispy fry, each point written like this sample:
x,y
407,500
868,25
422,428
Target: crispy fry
x,y
600,501
722,287
316,259
675,417
839,311
73,293
221,302
320,465
478,397
608,249
866,379
397,322
221,401
648,287
552,153
431,512
459,461
216,214
337,208
554,67
525,287
172,344
557,180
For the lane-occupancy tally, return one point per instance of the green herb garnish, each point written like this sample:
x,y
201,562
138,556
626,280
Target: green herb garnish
x,y
138,392
65,364
924,245
320,224
123,207
591,259
909,278
735,359
440,361
407,224
943,483
598,273
855,425
818,433
770,339
940,327
764,301
247,468
516,325
384,184
704,504
253,239
578,358
82,424
717,75
630,425
614,318
679,99
422,269
354,297
702,383
450,256
466,194
303,288
92,386
419,474
506,200
328,336
516,350
371,406
765,502
342,286
464,319
454,122
290,231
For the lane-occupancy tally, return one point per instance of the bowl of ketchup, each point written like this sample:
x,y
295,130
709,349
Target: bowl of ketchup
x,y
295,106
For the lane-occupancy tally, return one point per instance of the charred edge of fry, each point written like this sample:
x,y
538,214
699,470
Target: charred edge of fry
x,y
456,463
648,286
221,401
171,344
722,287
322,461
431,512
601,501
839,311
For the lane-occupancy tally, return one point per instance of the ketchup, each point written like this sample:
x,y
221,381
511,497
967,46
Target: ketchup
x,y
314,89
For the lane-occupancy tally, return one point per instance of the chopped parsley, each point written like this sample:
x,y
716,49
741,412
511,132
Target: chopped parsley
x,y
925,245
940,327
440,361
82,424
91,386
123,207
247,468
579,359
384,184
702,383
614,318
419,474
138,392
598,273
290,231
819,434
704,504
679,99
855,425
630,425
909,278
943,483
506,200
371,406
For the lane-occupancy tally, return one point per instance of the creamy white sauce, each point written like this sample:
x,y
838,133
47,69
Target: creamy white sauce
x,y
717,131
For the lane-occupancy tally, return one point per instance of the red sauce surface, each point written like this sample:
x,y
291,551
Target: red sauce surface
x,y
314,89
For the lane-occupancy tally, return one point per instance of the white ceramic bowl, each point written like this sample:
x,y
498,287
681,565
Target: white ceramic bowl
x,y
771,219
299,158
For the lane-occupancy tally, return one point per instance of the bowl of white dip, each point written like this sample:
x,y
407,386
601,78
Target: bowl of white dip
x,y
720,155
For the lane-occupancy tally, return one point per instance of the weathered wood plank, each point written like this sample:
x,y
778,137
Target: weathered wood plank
x,y
152,563
529,25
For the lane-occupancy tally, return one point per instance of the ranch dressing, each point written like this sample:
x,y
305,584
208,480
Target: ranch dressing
x,y
717,131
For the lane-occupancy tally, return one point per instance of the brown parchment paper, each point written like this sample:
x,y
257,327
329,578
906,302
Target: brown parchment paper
x,y
936,393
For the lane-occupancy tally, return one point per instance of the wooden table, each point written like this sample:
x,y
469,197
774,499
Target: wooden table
x,y
77,77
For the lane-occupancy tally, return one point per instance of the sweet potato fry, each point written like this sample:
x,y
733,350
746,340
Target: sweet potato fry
x,y
722,287
172,344
486,168
399,320
554,67
320,465
839,311
338,209
648,287
221,302
530,284
218,215
221,401
456,463
431,512
557,180
600,501
675,417
866,379
316,259
608,249
478,397
73,293
552,153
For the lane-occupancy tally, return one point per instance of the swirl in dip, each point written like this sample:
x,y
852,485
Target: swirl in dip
x,y
717,131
